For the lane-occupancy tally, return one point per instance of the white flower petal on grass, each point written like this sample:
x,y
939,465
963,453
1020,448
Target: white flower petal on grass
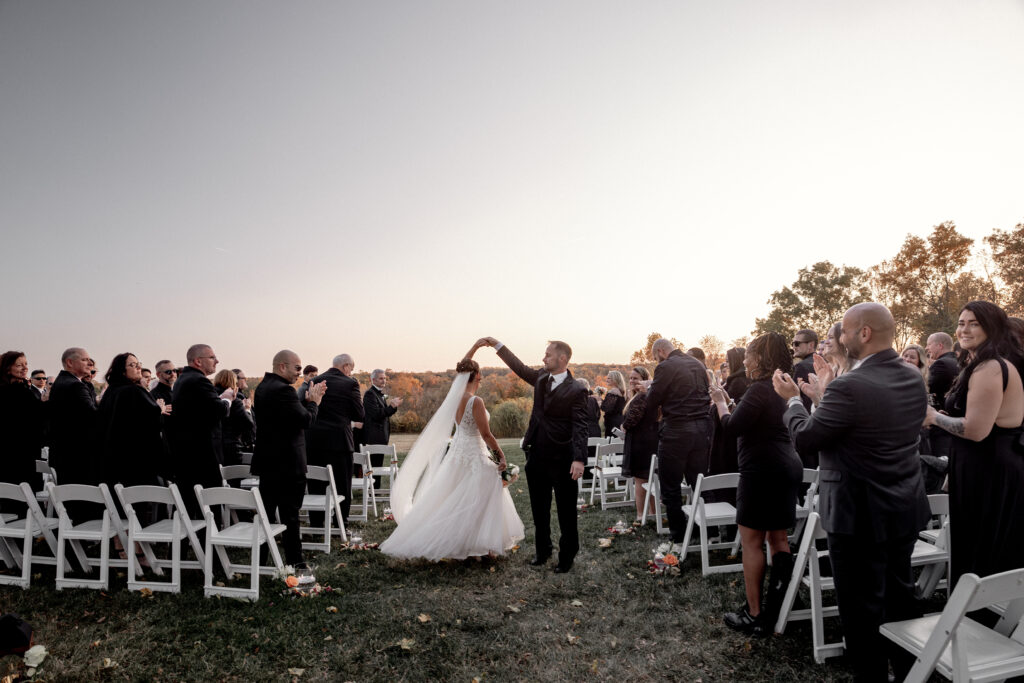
x,y
35,655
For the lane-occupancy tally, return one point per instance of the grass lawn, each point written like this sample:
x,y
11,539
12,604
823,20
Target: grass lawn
x,y
493,620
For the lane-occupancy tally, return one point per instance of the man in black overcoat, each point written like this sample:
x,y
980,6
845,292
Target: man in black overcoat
x,y
329,440
379,407
198,410
71,413
871,493
555,445
279,457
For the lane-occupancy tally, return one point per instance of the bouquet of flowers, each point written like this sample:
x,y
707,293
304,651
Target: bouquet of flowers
x,y
511,472
664,562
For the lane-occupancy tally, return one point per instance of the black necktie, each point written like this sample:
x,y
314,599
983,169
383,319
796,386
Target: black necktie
x,y
551,383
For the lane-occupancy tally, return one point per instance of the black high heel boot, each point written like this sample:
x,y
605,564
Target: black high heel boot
x,y
778,582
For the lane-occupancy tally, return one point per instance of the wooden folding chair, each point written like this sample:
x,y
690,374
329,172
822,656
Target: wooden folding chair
x,y
249,535
959,648
706,515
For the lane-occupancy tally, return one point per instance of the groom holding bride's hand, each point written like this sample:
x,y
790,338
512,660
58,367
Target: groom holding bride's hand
x,y
555,445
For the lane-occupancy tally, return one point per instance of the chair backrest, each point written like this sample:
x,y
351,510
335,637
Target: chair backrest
x,y
615,440
715,482
609,449
230,473
594,441
317,473
130,495
379,449
652,473
43,467
939,503
362,459
85,493
225,495
810,475
13,492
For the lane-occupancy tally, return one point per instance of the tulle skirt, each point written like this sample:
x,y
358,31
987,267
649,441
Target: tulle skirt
x,y
465,512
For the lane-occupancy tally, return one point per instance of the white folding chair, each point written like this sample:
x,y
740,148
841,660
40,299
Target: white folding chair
x,y
706,515
939,504
363,484
959,648
42,495
585,486
239,477
100,530
653,493
807,572
615,489
327,503
249,535
809,504
143,532
387,472
28,528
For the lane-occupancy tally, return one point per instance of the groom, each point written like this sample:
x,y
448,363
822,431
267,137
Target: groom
x,y
555,445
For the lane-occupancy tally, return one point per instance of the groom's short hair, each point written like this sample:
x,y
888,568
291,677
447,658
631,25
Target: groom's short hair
x,y
562,347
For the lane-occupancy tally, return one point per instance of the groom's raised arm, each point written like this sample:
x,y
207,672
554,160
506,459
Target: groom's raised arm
x,y
527,374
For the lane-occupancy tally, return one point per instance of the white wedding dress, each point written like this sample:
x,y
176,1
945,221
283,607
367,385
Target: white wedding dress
x,y
461,510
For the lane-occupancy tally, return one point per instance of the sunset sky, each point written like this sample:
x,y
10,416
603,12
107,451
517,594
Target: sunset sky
x,y
396,179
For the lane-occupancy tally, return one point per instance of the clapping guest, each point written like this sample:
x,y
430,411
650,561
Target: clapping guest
x,y
130,445
985,408
614,402
770,476
723,445
238,426
593,410
309,374
641,442
804,343
21,423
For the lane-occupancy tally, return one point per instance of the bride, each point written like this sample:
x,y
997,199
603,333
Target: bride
x,y
452,504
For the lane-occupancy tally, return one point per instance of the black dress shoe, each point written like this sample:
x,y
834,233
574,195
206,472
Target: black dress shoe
x,y
539,560
563,568
743,621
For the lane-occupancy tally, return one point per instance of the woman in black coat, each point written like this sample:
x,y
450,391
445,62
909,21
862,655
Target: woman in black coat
x,y
770,477
614,402
130,447
21,424
641,440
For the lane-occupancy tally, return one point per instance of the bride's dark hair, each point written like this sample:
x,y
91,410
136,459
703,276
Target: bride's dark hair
x,y
468,365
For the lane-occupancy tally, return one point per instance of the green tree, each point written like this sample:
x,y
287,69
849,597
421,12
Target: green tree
x,y
1008,253
818,298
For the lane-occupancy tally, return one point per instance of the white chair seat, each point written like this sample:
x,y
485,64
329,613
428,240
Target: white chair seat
x,y
89,530
930,535
19,524
314,500
984,648
713,514
249,483
240,534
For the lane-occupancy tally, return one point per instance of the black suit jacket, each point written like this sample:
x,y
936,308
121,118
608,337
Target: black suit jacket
x,y
558,423
130,447
801,371
281,421
72,416
21,433
941,374
340,406
680,389
377,423
866,431
198,410
163,391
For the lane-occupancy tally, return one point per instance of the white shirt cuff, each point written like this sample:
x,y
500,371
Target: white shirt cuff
x,y
798,401
498,346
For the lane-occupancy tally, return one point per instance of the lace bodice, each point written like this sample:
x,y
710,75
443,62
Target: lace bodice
x,y
467,445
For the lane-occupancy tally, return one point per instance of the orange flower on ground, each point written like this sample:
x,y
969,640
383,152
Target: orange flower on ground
x,y
670,559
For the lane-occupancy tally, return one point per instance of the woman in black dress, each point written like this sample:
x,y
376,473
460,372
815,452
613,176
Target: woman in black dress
x,y
21,425
129,421
723,446
237,427
593,410
614,402
770,476
985,409
641,440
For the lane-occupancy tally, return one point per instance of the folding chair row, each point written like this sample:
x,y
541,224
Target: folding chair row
x,y
26,529
386,472
615,489
585,485
364,485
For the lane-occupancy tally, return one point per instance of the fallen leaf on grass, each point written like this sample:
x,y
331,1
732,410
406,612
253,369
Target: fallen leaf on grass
x,y
423,618
491,570
146,593
512,608
332,609
340,565
95,643
101,620
576,603
572,639
604,542
108,663
245,619
294,671
406,643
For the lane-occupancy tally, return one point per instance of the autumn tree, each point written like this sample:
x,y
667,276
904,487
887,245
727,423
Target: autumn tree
x,y
645,356
818,298
714,350
1008,253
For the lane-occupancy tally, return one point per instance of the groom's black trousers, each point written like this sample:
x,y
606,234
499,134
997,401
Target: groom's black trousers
x,y
545,475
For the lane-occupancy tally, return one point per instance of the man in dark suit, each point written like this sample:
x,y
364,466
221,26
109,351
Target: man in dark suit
x,y
680,389
329,440
555,445
279,459
379,408
804,344
198,410
38,383
871,493
71,409
942,370
165,377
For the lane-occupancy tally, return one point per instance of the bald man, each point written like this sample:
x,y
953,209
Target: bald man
x,y
279,458
871,491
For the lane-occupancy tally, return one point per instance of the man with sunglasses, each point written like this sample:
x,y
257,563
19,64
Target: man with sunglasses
x,y
38,383
165,375
805,342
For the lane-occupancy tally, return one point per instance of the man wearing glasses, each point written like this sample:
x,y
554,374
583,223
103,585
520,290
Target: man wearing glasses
x,y
165,375
72,408
38,382
198,410
805,342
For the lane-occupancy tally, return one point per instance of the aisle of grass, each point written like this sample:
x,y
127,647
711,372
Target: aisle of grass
x,y
502,620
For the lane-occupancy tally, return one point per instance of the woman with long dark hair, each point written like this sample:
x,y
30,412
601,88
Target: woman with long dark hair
x,y
770,476
984,412
21,423
129,421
